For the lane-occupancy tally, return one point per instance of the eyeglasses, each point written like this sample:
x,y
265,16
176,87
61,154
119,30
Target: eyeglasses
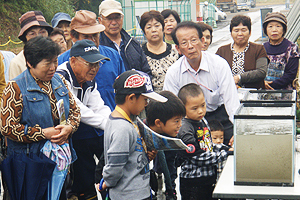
x,y
91,65
111,18
193,41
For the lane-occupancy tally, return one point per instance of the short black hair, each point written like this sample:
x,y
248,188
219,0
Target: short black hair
x,y
205,27
215,125
167,12
164,111
39,48
57,31
189,90
186,24
120,98
236,20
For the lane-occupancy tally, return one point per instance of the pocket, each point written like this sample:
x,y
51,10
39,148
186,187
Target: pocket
x,y
213,97
62,91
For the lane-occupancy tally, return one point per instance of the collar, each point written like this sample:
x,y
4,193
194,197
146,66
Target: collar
x,y
246,48
33,85
87,84
203,64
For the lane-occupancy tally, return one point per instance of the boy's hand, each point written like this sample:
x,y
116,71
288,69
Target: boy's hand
x,y
103,186
151,154
230,143
231,149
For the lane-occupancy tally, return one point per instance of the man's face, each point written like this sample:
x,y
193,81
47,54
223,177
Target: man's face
x,y
189,42
113,23
83,70
93,37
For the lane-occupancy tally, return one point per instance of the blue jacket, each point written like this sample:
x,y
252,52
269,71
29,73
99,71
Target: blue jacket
x,y
131,52
37,108
106,75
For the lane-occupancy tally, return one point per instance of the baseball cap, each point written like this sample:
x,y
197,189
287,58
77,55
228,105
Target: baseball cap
x,y
137,82
32,18
60,16
85,22
108,7
87,50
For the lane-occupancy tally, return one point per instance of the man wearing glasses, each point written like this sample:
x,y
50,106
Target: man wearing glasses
x,y
209,71
88,141
114,36
84,25
79,72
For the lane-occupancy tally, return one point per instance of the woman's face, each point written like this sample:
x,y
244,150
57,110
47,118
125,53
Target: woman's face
x,y
153,31
45,69
65,26
275,31
207,40
170,24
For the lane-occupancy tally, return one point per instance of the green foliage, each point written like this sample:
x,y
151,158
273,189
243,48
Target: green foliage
x,y
91,5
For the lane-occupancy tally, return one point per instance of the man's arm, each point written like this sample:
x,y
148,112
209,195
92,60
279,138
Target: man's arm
x,y
227,88
94,113
171,82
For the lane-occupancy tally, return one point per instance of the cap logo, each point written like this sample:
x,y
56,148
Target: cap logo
x,y
134,81
87,49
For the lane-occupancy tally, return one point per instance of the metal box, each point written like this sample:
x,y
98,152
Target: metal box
x,y
264,144
269,96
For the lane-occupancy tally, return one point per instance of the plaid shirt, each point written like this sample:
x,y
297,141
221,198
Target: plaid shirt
x,y
203,161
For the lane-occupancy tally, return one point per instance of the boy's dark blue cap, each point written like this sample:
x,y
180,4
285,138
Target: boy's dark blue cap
x,y
87,50
137,82
60,16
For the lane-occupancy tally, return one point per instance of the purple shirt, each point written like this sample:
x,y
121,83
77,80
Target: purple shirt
x,y
283,66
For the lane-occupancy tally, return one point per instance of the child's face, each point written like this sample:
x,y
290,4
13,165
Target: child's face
x,y
195,107
172,126
139,105
217,137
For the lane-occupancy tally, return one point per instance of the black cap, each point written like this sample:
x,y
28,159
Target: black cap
x,y
87,50
137,82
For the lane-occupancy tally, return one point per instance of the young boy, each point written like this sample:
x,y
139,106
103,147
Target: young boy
x,y
126,170
198,174
217,136
165,119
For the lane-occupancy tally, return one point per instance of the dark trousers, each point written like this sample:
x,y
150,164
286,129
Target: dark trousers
x,y
221,115
170,159
84,166
191,191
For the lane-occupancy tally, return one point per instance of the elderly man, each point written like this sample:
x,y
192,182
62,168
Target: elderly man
x,y
209,71
79,72
114,36
32,24
84,25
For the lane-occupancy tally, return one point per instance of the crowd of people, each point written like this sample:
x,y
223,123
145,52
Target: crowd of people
x,y
74,91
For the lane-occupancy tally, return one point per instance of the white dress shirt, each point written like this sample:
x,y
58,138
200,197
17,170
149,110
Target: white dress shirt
x,y
214,77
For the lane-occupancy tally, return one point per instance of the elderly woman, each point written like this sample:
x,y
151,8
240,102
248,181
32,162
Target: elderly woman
x,y
29,111
171,19
207,35
160,55
282,53
248,61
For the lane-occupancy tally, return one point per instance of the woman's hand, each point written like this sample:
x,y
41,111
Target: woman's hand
x,y
151,154
267,85
49,132
64,132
